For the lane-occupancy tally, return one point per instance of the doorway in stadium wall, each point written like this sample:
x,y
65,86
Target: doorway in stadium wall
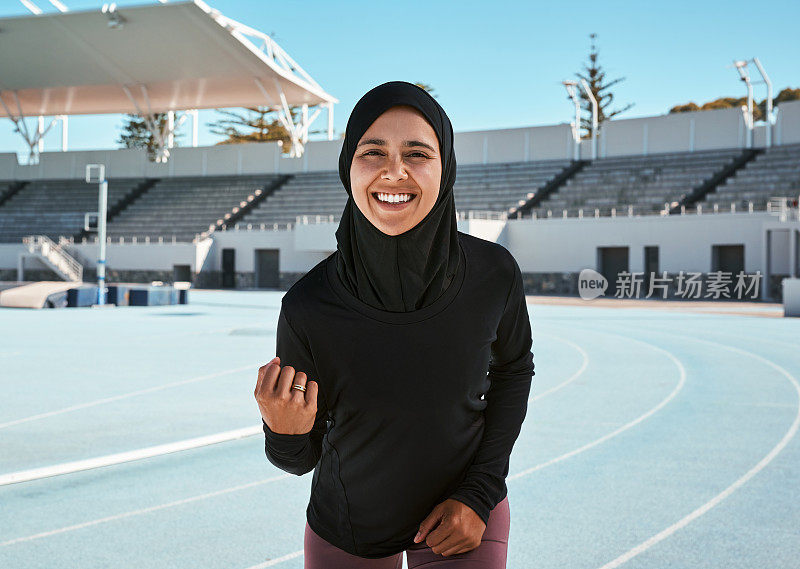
x,y
267,275
611,261
727,258
181,273
650,265
228,268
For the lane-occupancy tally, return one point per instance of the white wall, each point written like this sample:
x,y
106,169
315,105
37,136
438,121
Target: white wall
x,y
126,256
788,124
684,241
304,246
539,245
292,258
701,130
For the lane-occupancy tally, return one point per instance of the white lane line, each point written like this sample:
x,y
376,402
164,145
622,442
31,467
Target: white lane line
x,y
144,510
118,458
118,516
626,426
130,394
630,554
277,560
573,377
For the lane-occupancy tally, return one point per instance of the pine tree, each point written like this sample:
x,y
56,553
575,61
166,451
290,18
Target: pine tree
x,y
136,133
595,78
256,124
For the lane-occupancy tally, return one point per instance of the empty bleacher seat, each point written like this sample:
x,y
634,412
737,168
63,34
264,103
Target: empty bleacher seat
x,y
56,207
645,183
184,206
774,173
481,187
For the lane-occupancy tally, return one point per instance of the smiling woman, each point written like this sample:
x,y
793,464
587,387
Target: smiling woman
x,y
409,446
396,170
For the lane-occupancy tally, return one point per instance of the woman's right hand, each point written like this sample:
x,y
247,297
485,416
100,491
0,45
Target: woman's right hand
x,y
286,410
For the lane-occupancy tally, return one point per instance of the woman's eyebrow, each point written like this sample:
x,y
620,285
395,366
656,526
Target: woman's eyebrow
x,y
381,142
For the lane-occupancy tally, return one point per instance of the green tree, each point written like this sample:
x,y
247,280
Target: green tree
x,y
595,77
759,107
137,134
786,94
255,124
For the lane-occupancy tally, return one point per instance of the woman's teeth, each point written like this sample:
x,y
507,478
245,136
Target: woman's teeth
x,y
394,198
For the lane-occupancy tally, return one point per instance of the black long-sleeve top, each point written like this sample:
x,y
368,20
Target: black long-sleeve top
x,y
407,415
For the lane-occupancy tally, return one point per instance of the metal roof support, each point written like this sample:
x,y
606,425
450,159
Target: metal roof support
x,y
288,122
268,46
240,54
330,120
297,132
19,122
164,137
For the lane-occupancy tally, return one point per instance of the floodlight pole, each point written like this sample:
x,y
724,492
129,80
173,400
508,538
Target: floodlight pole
x,y
769,99
97,173
594,117
329,106
741,67
195,117
576,135
64,132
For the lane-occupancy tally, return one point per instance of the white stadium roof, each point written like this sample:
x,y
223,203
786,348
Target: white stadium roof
x,y
147,59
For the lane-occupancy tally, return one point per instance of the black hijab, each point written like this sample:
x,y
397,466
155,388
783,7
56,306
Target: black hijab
x,y
405,272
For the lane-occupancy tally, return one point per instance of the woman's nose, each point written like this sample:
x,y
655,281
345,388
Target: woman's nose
x,y
395,169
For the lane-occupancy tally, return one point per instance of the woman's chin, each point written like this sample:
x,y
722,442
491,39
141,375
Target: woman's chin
x,y
393,224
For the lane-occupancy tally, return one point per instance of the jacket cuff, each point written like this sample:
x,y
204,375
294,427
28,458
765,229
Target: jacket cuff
x,y
283,443
478,506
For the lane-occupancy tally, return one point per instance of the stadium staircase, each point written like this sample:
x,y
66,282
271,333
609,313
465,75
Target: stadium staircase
x,y
699,193
252,202
773,173
8,189
643,184
479,188
183,208
552,186
54,256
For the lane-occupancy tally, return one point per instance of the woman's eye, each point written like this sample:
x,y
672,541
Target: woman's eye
x,y
411,155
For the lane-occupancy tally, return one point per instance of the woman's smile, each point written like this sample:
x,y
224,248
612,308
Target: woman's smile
x,y
389,201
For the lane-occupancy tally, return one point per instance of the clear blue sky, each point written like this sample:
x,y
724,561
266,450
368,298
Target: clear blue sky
x,y
498,63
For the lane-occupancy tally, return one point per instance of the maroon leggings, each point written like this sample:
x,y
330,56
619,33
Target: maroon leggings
x,y
490,554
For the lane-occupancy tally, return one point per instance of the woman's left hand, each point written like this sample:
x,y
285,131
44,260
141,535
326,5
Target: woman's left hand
x,y
459,528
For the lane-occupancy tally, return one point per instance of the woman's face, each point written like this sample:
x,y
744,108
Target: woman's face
x,y
396,159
